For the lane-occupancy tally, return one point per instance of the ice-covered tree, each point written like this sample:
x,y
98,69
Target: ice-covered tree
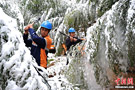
x,y
16,63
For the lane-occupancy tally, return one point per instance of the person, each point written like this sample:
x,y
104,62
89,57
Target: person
x,y
72,40
39,45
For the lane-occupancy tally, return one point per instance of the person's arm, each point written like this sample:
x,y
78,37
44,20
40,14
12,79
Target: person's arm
x,y
38,40
27,41
68,43
77,40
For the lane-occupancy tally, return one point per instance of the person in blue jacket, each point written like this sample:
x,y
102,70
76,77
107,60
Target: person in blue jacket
x,y
40,45
72,40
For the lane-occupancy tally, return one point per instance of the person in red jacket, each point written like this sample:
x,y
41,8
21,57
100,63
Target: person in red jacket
x,y
39,45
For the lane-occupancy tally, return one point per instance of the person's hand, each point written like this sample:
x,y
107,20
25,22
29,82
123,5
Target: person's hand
x,y
75,39
83,39
28,27
71,39
26,32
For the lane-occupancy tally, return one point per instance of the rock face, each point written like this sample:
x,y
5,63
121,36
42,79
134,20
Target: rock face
x,y
110,45
111,42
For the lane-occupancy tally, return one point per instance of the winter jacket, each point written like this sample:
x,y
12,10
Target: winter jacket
x,y
39,47
69,43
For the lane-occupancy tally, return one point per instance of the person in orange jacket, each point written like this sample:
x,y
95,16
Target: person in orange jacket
x,y
39,45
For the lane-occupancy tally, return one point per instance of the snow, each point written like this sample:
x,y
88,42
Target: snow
x,y
131,10
6,21
14,11
109,28
12,86
57,71
16,59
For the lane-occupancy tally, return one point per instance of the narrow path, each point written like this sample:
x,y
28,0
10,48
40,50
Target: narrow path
x,y
56,70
